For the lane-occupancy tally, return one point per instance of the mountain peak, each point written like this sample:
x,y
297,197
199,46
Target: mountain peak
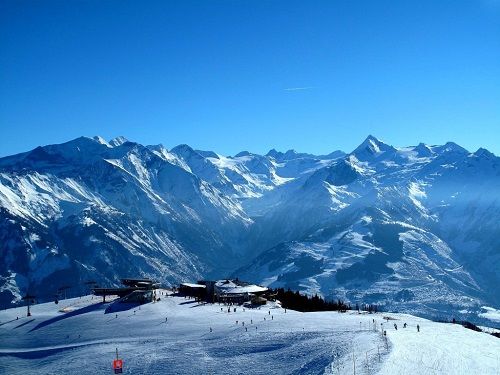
x,y
482,152
100,140
182,148
372,138
118,141
291,153
423,150
186,152
242,153
453,147
274,153
372,147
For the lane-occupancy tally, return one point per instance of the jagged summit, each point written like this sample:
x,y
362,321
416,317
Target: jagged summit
x,y
101,140
274,153
372,147
242,153
423,150
452,147
118,141
183,149
482,152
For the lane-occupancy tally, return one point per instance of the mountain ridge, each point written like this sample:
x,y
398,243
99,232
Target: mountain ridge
x,y
371,225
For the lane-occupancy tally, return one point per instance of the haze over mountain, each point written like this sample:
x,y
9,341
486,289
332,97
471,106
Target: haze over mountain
x,y
413,228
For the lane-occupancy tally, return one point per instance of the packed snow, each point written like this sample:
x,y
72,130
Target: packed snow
x,y
181,336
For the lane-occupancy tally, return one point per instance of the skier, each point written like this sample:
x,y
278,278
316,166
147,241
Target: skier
x,y
395,326
404,325
418,328
166,320
210,329
269,312
272,317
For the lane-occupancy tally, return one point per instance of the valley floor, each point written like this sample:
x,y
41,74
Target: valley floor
x,y
173,336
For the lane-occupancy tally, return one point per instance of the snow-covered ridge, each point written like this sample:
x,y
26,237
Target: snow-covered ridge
x,y
385,224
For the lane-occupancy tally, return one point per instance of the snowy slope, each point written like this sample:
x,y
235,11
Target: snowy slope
x,y
84,338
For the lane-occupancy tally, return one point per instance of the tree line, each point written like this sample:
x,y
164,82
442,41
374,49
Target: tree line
x,y
294,300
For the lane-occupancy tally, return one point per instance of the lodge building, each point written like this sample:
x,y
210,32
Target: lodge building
x,y
232,291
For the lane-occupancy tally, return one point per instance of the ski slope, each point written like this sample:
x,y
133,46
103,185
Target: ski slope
x,y
173,336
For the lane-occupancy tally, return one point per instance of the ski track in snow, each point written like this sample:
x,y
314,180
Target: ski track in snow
x,y
52,342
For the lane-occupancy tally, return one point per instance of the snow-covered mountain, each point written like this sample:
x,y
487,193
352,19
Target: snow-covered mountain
x,y
415,228
89,210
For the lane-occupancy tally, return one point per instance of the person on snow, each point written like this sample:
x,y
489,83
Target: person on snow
x,y
404,325
418,328
395,326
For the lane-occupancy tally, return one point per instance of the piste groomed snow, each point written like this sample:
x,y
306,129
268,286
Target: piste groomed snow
x,y
172,336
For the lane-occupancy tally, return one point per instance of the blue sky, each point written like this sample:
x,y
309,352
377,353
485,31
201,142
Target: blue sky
x,y
250,75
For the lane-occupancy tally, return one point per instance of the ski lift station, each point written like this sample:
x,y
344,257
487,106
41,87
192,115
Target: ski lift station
x,y
133,291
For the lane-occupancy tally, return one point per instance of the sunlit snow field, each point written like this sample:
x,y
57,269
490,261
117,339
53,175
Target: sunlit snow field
x,y
271,341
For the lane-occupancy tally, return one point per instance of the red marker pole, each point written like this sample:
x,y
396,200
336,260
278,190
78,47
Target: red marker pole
x,y
118,364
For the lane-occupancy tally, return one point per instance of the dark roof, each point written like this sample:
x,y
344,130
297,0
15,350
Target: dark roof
x,y
121,292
